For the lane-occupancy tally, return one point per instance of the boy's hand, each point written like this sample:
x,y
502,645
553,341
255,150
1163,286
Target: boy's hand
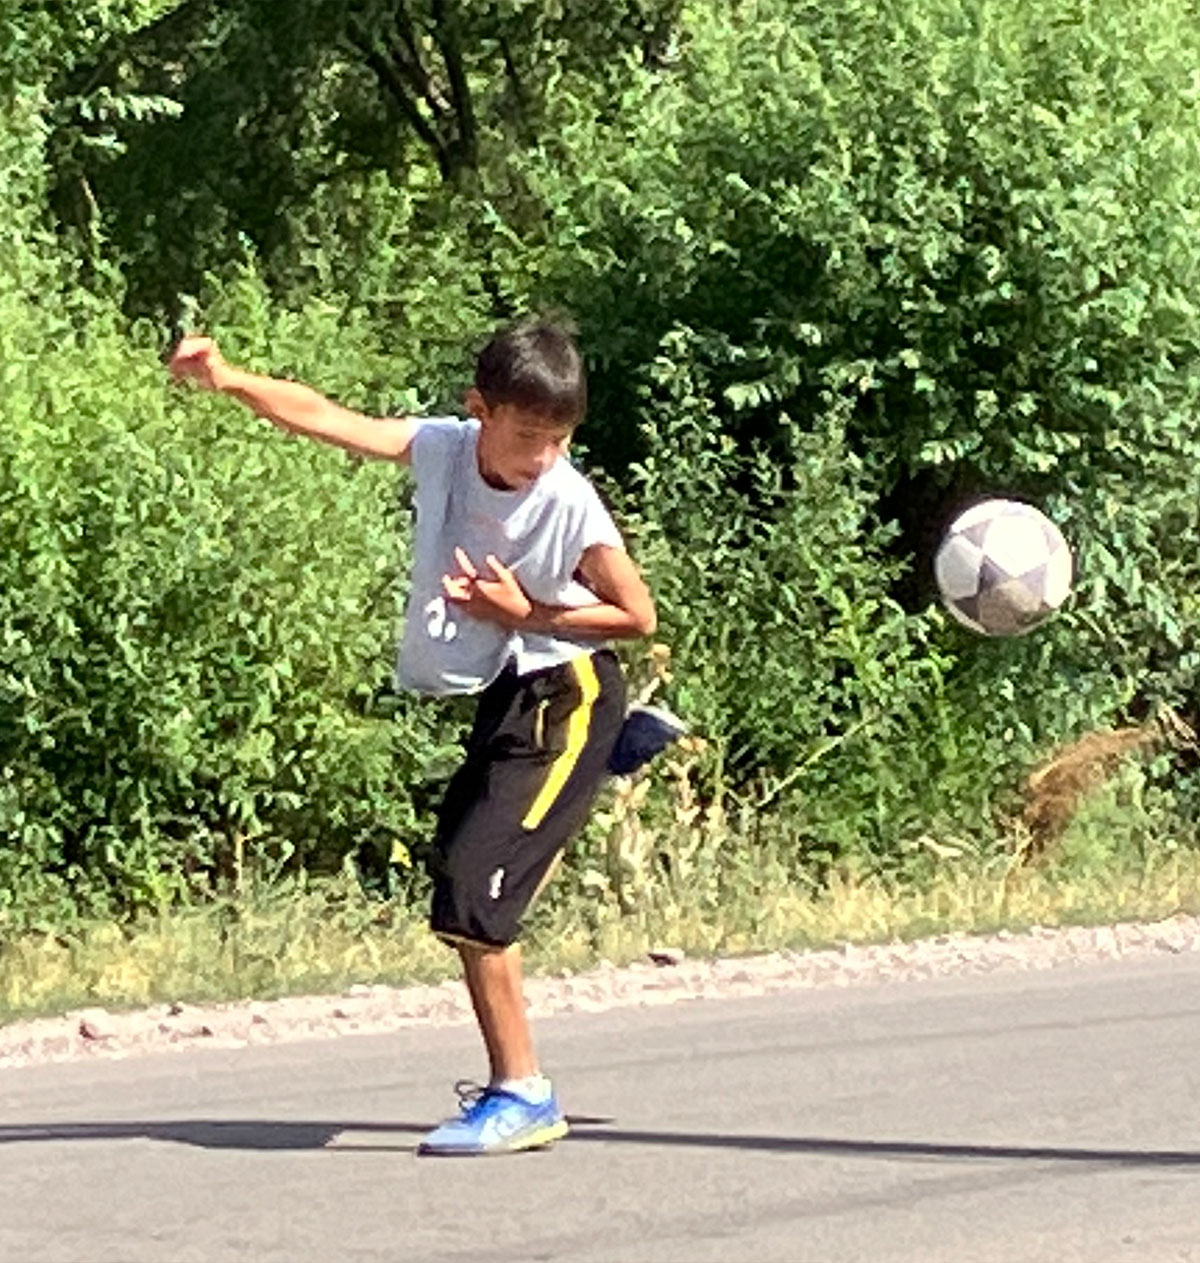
x,y
498,599
197,359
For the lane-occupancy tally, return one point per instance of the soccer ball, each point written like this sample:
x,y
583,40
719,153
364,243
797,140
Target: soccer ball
x,y
1002,568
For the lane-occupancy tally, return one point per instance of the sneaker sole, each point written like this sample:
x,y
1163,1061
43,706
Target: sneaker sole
x,y
539,1138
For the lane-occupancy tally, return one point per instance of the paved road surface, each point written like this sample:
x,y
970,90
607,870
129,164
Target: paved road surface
x,y
1014,1118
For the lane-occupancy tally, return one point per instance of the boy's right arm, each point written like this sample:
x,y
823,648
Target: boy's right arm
x,y
292,406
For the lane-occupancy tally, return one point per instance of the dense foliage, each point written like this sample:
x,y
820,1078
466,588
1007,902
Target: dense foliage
x,y
836,268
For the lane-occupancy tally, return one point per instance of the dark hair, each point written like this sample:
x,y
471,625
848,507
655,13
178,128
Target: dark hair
x,y
536,366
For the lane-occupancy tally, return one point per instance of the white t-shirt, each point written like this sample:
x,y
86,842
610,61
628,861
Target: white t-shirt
x,y
540,532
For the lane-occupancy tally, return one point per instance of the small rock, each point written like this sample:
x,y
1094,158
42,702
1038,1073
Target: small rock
x,y
96,1024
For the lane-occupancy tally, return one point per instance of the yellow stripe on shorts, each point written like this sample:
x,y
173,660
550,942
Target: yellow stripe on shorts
x,y
578,723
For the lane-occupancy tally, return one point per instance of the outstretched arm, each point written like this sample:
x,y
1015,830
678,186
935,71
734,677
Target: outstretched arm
x,y
292,406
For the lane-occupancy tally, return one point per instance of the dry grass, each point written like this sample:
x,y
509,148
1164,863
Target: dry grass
x,y
322,940
268,943
1057,789
867,909
1115,857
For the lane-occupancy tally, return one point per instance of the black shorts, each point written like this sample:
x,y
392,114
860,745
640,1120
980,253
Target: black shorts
x,y
536,756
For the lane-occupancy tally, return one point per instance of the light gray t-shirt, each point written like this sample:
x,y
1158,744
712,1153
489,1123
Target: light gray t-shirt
x,y
540,532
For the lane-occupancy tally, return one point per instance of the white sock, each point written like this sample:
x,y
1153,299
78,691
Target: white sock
x,y
534,1088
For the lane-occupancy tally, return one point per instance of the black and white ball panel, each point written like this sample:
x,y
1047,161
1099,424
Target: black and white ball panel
x,y
1003,567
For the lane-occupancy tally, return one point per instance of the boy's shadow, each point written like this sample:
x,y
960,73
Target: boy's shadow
x,y
264,1134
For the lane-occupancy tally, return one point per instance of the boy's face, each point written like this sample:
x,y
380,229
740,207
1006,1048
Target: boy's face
x,y
516,447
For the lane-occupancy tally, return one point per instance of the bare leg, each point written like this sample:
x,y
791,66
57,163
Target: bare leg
x,y
493,977
500,1122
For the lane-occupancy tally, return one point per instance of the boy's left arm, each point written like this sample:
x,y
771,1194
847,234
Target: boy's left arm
x,y
624,610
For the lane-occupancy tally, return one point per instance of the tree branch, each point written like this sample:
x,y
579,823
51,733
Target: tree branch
x,y
413,62
448,40
398,92
420,80
514,76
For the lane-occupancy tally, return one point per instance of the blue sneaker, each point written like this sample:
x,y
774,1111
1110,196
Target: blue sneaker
x,y
647,731
495,1121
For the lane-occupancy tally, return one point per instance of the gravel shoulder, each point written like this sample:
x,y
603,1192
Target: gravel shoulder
x,y
666,978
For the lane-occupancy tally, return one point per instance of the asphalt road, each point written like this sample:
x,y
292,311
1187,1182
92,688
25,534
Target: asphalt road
x,y
1018,1118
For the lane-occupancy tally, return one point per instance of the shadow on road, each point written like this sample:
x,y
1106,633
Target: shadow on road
x,y
267,1134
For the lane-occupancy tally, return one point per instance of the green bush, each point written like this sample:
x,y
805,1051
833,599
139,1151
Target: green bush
x,y
837,268
193,613
967,230
771,580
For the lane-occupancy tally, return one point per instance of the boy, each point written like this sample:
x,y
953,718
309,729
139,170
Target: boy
x,y
519,578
